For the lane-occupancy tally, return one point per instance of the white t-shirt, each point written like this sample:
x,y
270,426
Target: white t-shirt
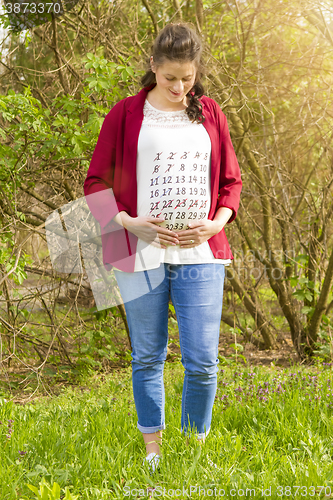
x,y
173,182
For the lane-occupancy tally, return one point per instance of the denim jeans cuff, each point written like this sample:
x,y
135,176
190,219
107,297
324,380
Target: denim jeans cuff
x,y
199,435
150,430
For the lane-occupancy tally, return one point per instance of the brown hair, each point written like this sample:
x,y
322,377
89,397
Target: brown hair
x,y
179,43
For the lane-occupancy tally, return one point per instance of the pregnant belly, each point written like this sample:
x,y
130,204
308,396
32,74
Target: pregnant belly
x,y
179,216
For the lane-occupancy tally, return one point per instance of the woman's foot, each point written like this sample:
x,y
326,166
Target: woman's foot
x,y
153,442
200,441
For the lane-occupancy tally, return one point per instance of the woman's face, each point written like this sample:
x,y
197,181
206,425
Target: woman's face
x,y
174,80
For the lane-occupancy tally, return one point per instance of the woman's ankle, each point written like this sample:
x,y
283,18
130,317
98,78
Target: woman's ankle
x,y
153,442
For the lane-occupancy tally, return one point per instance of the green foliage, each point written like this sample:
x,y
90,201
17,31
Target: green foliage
x,y
270,427
235,357
57,133
99,341
107,74
45,492
324,345
307,291
8,259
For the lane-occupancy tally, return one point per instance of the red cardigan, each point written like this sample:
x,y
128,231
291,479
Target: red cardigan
x,y
113,165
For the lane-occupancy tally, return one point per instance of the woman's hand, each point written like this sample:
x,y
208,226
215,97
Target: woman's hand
x,y
198,232
148,230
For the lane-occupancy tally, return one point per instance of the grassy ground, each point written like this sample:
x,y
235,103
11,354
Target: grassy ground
x,y
271,432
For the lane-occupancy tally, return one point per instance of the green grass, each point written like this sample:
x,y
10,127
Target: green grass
x,y
89,440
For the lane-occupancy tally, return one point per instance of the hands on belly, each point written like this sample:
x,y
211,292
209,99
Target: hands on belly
x,y
198,232
148,230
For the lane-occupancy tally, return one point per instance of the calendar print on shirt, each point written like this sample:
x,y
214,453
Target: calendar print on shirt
x,y
179,187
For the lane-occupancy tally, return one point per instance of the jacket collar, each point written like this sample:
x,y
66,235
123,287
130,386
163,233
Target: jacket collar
x,y
140,98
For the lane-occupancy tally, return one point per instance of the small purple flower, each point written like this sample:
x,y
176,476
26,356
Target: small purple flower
x,y
22,453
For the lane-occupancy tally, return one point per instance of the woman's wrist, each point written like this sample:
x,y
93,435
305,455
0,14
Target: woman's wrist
x,y
222,216
122,218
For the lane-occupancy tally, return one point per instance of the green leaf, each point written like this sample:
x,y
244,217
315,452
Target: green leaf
x,y
33,488
56,491
104,84
303,281
299,294
172,309
326,319
237,347
307,310
293,280
302,259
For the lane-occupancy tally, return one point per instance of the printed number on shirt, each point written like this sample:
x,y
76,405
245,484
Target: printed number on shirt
x,y
154,206
167,204
181,203
175,226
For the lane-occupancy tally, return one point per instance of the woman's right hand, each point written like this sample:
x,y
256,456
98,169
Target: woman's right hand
x,y
148,229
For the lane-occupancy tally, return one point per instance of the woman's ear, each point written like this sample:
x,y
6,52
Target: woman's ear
x,y
152,65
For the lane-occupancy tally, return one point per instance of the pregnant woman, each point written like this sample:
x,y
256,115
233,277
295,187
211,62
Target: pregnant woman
x,y
167,155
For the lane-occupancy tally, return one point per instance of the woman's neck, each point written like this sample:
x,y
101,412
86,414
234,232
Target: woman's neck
x,y
153,99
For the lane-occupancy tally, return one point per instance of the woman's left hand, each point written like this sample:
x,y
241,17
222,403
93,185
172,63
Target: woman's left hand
x,y
198,232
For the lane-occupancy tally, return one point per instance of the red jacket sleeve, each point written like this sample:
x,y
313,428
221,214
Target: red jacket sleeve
x,y
230,184
100,174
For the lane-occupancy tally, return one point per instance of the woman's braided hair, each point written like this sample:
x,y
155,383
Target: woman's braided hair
x,y
179,43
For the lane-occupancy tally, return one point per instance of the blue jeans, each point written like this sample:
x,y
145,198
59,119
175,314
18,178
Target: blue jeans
x,y
196,292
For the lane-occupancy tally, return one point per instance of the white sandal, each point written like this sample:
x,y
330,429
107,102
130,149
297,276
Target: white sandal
x,y
153,460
